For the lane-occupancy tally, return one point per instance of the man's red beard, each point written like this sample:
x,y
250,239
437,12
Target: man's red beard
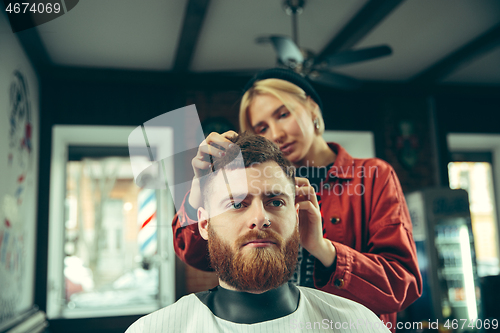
x,y
259,268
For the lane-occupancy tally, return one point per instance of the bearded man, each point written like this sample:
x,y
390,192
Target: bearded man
x,y
251,221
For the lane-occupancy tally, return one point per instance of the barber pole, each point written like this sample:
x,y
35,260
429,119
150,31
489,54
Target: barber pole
x,y
147,237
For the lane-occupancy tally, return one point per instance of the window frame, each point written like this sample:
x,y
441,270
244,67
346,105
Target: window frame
x,y
479,147
62,137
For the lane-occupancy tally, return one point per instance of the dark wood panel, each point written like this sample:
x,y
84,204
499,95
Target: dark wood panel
x,y
193,22
374,12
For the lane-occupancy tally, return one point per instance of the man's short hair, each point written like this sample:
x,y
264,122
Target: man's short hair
x,y
254,149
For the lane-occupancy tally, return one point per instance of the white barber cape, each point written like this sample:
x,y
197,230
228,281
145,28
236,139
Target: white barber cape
x,y
317,312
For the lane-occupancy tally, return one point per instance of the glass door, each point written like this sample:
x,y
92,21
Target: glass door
x,y
108,253
473,173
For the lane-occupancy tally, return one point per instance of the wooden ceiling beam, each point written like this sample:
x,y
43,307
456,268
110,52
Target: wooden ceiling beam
x,y
374,12
191,28
477,47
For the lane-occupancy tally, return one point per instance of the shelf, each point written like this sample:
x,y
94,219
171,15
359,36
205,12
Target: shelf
x,y
447,241
458,304
452,270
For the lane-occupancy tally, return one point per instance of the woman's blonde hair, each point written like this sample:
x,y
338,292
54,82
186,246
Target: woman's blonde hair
x,y
287,93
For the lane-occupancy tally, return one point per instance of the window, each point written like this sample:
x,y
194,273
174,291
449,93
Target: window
x,y
358,144
476,178
474,157
107,254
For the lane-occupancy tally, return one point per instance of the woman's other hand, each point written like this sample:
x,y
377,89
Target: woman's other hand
x,y
310,226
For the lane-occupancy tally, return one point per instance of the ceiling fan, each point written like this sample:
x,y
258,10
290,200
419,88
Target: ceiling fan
x,y
306,63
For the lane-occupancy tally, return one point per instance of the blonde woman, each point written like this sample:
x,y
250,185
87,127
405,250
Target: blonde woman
x,y
360,246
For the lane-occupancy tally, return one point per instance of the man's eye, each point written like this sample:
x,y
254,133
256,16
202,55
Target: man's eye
x,y
277,203
236,205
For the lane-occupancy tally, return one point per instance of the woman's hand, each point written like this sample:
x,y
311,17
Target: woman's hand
x,y
310,227
214,145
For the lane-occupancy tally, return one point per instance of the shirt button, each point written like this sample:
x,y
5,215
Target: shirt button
x,y
326,186
335,220
339,283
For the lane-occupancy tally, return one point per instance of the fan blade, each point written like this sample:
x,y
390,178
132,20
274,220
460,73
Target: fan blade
x,y
288,52
334,80
352,56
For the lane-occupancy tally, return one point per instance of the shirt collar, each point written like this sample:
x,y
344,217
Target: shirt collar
x,y
343,167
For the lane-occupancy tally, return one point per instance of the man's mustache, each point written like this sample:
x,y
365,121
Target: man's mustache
x,y
270,235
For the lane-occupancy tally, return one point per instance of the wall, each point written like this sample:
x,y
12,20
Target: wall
x,y
19,146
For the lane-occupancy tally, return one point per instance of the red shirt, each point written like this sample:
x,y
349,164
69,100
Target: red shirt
x,y
366,218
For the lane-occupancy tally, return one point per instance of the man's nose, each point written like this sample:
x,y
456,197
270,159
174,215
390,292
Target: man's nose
x,y
258,216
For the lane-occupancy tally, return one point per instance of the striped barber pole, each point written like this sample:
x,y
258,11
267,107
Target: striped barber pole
x,y
147,237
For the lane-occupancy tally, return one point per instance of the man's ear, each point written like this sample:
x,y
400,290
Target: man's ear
x,y
203,223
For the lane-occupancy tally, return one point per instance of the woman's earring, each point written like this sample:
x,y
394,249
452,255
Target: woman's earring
x,y
316,124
